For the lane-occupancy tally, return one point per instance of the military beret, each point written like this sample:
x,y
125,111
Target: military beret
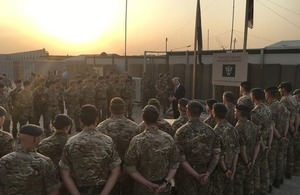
x,y
219,108
117,101
243,108
211,102
61,121
297,91
31,129
194,105
150,109
286,85
183,102
2,111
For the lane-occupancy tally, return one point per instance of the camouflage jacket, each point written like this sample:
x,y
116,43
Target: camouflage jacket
x,y
52,97
211,121
71,96
291,105
179,122
24,99
40,96
5,102
197,142
152,153
121,130
88,95
280,115
101,91
7,143
162,125
246,100
27,172
89,156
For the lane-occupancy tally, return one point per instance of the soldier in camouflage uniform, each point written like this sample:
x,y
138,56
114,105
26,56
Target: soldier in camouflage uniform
x,y
280,119
285,89
183,118
71,97
52,98
127,96
261,116
229,102
245,88
162,95
296,95
210,119
161,123
5,102
60,91
25,171
24,106
101,97
121,130
7,143
152,157
13,95
222,177
88,93
40,105
249,140
89,163
199,148
147,88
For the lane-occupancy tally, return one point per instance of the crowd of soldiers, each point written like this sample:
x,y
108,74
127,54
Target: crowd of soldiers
x,y
243,148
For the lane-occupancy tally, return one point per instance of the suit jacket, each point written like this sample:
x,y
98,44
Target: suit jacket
x,y
179,92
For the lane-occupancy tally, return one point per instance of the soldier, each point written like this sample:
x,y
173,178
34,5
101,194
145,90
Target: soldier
x,y
296,95
285,89
89,163
152,157
88,93
60,91
7,82
13,95
199,148
40,104
52,98
280,128
121,130
162,124
24,106
249,141
7,143
210,120
127,96
101,97
162,95
229,102
5,102
25,171
245,88
183,118
261,116
147,88
71,96
177,93
222,177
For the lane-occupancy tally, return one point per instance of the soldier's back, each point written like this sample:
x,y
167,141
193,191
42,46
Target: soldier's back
x,y
7,143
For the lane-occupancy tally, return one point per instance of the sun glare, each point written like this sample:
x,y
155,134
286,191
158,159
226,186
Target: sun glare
x,y
72,21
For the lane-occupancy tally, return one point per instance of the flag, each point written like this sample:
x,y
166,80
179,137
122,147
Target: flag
x,y
250,9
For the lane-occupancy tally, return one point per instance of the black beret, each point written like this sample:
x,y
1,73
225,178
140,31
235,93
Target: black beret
x,y
211,102
2,111
297,91
61,121
219,108
243,108
150,109
183,102
195,105
31,129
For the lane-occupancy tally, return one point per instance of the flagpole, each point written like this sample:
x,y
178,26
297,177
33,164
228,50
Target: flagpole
x,y
246,27
195,52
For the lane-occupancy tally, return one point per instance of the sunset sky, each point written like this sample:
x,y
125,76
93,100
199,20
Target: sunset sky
x,y
76,27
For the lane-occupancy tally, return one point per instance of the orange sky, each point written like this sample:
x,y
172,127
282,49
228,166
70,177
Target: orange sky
x,y
94,26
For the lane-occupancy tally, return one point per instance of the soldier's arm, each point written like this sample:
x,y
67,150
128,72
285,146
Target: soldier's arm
x,y
255,153
271,133
111,181
69,182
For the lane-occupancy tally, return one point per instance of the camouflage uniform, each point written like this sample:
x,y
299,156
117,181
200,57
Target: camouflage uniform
x,y
248,137
101,99
276,155
27,172
162,95
297,148
179,122
52,109
162,124
5,102
151,153
291,104
40,105
127,95
246,100
197,142
147,89
261,116
88,95
13,95
211,121
121,130
220,184
89,156
230,113
60,91
24,107
7,143
71,97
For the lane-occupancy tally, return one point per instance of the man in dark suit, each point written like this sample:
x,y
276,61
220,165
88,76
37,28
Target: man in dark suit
x,y
178,92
